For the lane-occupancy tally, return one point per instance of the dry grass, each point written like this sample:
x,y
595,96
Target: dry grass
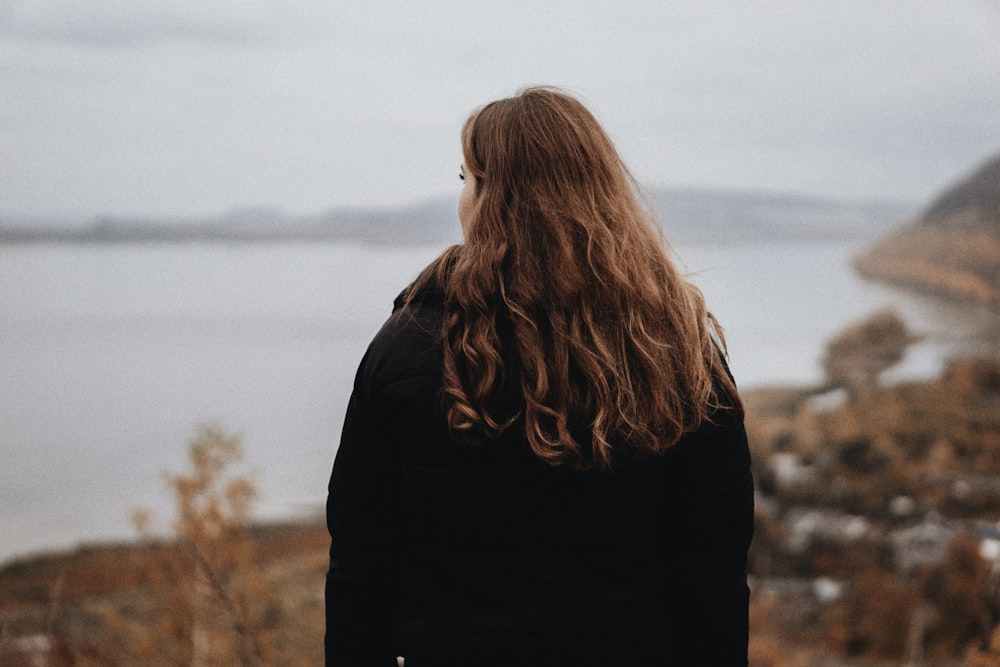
x,y
957,263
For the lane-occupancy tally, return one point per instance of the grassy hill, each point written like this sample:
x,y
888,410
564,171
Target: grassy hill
x,y
953,249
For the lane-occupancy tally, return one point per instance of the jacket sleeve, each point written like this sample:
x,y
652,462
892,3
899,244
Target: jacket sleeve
x,y
363,517
709,513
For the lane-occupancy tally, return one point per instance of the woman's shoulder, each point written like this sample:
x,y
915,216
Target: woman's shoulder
x,y
409,343
716,454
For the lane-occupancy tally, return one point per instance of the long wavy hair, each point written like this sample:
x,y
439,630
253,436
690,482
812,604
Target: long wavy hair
x,y
564,314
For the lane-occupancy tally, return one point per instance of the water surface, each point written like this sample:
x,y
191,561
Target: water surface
x,y
110,355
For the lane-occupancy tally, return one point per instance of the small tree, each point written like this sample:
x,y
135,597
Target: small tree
x,y
209,596
861,353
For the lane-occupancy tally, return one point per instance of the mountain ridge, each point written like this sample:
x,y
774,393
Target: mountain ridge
x,y
973,200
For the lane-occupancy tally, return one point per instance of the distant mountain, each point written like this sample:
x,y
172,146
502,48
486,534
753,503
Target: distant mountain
x,y
953,248
692,215
687,215
432,221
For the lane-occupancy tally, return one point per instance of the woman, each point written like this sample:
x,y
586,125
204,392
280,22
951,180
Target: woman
x,y
543,460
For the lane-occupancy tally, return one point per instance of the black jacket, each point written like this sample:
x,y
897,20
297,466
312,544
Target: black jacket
x,y
452,554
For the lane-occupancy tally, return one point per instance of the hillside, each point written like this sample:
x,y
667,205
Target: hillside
x,y
953,248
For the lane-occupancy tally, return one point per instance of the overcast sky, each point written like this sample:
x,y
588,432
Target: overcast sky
x,y
193,107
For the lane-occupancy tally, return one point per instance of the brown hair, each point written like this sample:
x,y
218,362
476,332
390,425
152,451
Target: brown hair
x,y
563,296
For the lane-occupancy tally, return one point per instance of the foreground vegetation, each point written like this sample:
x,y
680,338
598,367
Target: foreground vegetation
x,y
876,532
220,591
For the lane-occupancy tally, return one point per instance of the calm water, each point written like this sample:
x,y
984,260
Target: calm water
x,y
111,355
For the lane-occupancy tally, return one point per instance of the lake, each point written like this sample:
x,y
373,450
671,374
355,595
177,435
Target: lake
x,y
111,355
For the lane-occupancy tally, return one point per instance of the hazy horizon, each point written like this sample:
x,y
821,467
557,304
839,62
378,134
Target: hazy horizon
x,y
661,194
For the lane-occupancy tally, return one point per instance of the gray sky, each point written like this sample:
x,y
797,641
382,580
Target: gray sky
x,y
194,107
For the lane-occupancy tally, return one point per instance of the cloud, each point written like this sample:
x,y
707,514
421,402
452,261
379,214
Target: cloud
x,y
118,23
195,106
